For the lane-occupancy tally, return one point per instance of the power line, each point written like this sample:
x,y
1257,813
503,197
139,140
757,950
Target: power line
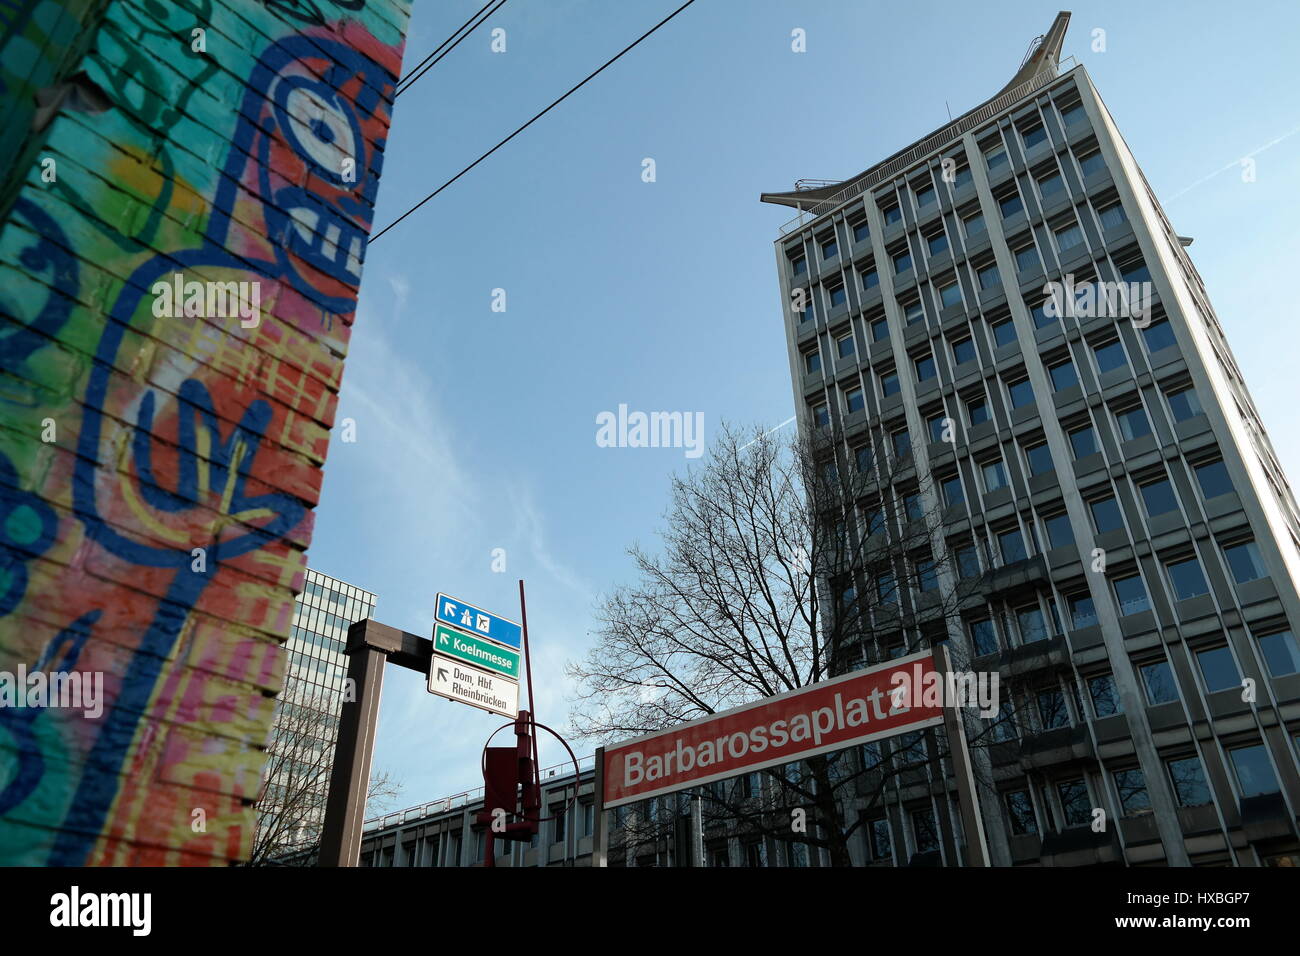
x,y
590,76
466,28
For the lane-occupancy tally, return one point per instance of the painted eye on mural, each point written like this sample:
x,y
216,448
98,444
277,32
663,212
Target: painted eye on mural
x,y
321,129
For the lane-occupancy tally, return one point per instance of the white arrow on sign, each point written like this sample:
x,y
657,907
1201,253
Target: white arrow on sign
x,y
469,685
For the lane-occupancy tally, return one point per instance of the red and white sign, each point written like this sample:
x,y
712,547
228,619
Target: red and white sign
x,y
831,715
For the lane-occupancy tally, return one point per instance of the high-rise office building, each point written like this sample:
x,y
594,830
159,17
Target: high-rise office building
x,y
307,715
1136,538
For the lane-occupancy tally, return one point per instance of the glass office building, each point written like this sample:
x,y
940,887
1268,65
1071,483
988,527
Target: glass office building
x,y
307,713
1009,297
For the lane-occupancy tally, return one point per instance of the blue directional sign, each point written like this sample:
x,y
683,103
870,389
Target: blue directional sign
x,y
476,621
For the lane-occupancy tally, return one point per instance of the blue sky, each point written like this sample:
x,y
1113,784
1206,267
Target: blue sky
x,y
476,429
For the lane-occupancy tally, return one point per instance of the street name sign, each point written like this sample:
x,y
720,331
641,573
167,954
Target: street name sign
x,y
477,653
475,620
457,681
830,715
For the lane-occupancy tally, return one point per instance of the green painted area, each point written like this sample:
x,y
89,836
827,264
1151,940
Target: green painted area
x,y
473,650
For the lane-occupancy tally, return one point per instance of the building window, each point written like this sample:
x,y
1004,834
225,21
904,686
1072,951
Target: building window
x,y
861,230
862,458
1112,216
1039,458
961,177
952,490
1186,579
995,475
1033,625
902,261
1026,257
1245,562
879,329
870,278
927,575
988,276
913,312
1158,682
983,638
995,156
1020,813
1158,497
1067,237
1131,593
889,383
902,442
925,368
1218,669
1004,332
1089,163
880,841
844,346
974,225
838,296
1110,356
1010,204
1083,441
893,214
937,243
935,425
1104,695
1188,778
1083,613
1184,404
1021,393
963,350
821,416
1052,712
1213,479
854,400
1011,545
968,562
812,362
1133,423
950,295
1106,515
977,410
1281,655
1132,789
1059,532
830,248
1159,335
886,588
925,195
1062,375
1073,115
799,266
1033,135
1050,185
924,830
1075,803
1253,771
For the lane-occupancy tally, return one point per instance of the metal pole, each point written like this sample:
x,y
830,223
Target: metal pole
x,y
345,807
977,848
532,704
599,839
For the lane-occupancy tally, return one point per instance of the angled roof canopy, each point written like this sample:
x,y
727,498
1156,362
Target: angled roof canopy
x,y
1043,58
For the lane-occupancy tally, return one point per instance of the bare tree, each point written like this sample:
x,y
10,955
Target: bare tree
x,y
782,564
296,778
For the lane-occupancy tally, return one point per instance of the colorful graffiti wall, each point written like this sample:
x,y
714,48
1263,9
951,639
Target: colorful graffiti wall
x,y
179,264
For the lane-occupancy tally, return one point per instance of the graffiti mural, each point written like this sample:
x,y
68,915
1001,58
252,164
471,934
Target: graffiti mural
x,y
159,462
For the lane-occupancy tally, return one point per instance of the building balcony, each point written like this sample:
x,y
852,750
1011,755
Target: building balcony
x,y
1023,575
1080,846
1055,747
